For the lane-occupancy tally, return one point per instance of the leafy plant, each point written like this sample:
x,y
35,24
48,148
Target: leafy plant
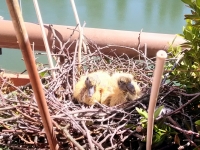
x,y
161,131
187,73
197,125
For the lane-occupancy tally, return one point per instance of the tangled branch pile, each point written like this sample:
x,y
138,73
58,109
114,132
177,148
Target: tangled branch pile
x,y
79,126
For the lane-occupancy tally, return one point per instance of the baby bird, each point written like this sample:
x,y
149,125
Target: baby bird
x,y
124,88
95,87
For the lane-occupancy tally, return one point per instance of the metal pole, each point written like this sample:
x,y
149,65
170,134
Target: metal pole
x,y
26,50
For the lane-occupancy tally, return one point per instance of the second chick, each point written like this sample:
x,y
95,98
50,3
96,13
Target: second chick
x,y
124,88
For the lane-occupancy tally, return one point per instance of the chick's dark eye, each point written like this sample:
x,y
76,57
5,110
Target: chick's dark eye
x,y
120,82
87,81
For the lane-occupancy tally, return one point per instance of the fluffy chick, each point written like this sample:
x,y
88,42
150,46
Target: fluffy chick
x,y
95,87
124,88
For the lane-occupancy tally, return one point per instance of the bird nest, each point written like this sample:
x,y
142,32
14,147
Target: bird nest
x,y
79,126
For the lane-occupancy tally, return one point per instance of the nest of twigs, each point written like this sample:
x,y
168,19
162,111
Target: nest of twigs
x,y
78,126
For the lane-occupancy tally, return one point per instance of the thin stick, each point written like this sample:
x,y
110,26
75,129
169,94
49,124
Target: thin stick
x,y
67,135
160,61
88,136
44,38
20,4
74,60
25,46
81,38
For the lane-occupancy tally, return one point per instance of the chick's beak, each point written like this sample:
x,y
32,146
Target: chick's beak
x,y
90,91
130,88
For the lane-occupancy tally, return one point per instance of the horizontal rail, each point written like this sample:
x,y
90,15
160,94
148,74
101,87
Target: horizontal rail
x,y
102,37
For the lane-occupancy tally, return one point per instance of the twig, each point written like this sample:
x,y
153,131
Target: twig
x,y
44,38
88,136
65,130
80,31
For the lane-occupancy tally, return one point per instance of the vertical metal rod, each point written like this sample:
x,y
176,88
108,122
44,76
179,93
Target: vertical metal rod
x,y
26,50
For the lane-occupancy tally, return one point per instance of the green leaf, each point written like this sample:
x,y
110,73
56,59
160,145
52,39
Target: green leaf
x,y
198,3
188,35
189,2
142,112
42,74
189,28
197,128
197,122
157,112
159,136
192,17
186,44
143,120
180,35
